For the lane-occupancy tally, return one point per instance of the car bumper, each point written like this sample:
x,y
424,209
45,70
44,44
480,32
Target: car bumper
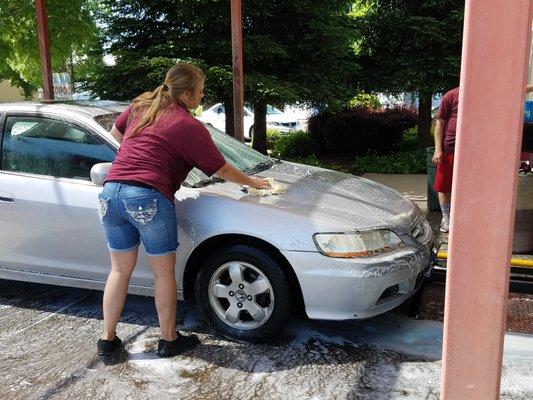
x,y
338,289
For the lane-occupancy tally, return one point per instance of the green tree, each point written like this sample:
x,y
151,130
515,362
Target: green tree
x,y
298,50
410,46
70,26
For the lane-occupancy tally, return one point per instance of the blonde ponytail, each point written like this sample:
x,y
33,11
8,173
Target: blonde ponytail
x,y
181,78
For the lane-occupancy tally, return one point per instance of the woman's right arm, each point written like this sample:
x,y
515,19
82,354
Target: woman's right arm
x,y
231,174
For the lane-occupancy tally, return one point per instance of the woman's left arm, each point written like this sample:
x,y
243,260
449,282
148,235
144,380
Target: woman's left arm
x,y
116,134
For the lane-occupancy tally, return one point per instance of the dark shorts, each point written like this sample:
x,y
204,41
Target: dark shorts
x,y
443,177
131,214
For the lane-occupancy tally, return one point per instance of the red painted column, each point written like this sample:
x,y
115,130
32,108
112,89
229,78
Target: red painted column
x,y
236,41
44,49
493,78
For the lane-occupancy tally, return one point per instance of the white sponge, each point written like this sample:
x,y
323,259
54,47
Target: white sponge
x,y
276,188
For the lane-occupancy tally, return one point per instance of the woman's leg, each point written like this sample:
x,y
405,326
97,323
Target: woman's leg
x,y
116,288
166,296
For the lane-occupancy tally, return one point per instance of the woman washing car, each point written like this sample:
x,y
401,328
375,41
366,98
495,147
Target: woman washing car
x,y
160,144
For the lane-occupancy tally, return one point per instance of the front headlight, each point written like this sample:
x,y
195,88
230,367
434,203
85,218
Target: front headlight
x,y
357,244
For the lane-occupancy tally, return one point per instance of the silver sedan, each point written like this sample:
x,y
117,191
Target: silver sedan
x,y
341,246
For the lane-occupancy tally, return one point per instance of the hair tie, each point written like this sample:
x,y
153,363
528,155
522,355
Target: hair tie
x,y
165,86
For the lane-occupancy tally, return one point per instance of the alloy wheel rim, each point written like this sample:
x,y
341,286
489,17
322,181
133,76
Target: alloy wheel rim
x,y
241,295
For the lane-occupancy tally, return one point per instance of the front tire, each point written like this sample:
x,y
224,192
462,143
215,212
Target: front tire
x,y
243,294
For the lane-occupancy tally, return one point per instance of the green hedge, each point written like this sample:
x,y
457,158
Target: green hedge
x,y
359,131
293,145
404,162
273,136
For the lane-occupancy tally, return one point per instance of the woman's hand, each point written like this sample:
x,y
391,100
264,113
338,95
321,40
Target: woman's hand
x,y
437,156
231,174
260,183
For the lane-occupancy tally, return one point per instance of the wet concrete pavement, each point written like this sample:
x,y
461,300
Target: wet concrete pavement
x,y
48,351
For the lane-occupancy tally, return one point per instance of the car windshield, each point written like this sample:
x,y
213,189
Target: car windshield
x,y
272,110
240,155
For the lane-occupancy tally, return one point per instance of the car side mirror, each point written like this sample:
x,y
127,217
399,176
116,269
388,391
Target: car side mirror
x,y
99,172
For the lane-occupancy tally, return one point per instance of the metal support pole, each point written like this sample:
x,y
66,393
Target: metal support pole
x,y
44,49
489,131
236,41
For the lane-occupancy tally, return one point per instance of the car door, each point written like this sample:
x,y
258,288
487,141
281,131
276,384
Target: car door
x,y
48,219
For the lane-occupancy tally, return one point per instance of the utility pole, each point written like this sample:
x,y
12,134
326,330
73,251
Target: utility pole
x,y
487,150
236,42
44,49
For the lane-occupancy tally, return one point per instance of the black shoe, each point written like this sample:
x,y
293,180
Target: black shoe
x,y
169,348
107,347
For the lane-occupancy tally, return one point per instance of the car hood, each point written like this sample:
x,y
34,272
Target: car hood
x,y
345,201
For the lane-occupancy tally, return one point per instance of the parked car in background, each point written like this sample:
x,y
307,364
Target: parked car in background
x,y
285,122
276,119
341,246
215,116
302,114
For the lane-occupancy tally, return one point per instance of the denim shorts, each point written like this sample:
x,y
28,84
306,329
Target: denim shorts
x,y
131,214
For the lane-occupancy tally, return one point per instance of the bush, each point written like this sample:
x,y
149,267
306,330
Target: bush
x,y
310,160
197,111
315,162
359,131
365,100
409,140
273,136
294,145
404,162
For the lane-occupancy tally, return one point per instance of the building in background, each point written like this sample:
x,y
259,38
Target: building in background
x,y
9,92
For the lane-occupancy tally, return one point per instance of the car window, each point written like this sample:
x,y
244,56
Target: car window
x,y
106,121
46,146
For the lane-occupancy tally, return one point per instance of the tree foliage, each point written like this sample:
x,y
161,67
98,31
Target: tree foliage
x,y
410,46
71,28
297,50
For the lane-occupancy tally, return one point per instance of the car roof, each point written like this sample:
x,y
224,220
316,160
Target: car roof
x,y
90,108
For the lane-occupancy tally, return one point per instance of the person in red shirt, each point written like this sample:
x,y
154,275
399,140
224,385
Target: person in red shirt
x,y
445,129
160,142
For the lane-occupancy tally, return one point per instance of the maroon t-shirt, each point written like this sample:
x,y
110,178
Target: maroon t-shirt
x,y
449,106
164,153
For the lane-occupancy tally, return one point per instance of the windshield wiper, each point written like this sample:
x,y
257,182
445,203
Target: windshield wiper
x,y
261,166
208,181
